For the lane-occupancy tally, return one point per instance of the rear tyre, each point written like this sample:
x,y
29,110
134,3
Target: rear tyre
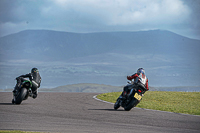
x,y
21,96
132,104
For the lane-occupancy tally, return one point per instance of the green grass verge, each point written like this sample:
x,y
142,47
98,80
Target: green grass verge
x,y
178,102
16,131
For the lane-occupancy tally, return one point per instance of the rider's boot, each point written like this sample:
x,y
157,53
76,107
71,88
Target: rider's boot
x,y
33,95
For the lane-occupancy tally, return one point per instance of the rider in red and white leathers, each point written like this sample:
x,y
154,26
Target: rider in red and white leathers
x,y
140,77
140,80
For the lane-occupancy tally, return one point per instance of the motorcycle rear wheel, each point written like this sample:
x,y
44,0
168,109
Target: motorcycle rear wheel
x,y
21,96
131,104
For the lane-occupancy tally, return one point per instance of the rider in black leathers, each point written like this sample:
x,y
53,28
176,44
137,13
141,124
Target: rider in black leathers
x,y
34,77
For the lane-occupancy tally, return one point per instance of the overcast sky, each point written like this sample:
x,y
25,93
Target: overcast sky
x,y
83,16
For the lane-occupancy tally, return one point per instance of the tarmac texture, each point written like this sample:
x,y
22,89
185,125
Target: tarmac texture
x,y
81,113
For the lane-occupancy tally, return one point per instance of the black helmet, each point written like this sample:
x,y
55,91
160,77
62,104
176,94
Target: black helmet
x,y
34,70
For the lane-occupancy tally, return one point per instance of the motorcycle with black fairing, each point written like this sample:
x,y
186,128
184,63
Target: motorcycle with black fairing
x,y
131,96
23,92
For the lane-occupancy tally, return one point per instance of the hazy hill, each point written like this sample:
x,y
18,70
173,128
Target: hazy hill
x,y
104,58
53,45
85,87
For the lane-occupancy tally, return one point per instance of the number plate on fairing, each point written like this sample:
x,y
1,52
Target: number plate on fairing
x,y
137,96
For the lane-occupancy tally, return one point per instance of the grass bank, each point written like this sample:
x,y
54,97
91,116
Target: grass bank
x,y
16,131
178,102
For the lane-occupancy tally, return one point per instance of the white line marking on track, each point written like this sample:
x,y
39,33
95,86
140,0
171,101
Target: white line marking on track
x,y
95,97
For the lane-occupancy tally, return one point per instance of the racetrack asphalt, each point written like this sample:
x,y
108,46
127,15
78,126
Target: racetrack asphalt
x,y
81,113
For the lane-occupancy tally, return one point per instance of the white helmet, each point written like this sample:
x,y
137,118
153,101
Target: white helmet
x,y
140,70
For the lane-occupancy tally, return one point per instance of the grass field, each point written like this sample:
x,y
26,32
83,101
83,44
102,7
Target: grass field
x,y
178,102
16,131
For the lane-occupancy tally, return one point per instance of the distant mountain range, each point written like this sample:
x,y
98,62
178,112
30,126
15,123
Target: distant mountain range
x,y
47,45
65,58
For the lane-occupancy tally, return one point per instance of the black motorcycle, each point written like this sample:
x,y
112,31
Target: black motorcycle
x,y
130,97
23,92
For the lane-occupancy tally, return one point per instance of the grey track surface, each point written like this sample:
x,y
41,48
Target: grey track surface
x,y
79,112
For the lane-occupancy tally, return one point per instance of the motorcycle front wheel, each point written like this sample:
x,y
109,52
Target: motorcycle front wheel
x,y
19,98
116,105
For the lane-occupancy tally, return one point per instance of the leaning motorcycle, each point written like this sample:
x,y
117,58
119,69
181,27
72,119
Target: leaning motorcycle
x,y
130,97
23,92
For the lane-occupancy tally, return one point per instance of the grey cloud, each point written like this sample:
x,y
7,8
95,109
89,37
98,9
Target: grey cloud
x,y
194,19
99,15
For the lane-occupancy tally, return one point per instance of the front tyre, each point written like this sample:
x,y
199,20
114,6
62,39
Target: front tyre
x,y
13,101
21,96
